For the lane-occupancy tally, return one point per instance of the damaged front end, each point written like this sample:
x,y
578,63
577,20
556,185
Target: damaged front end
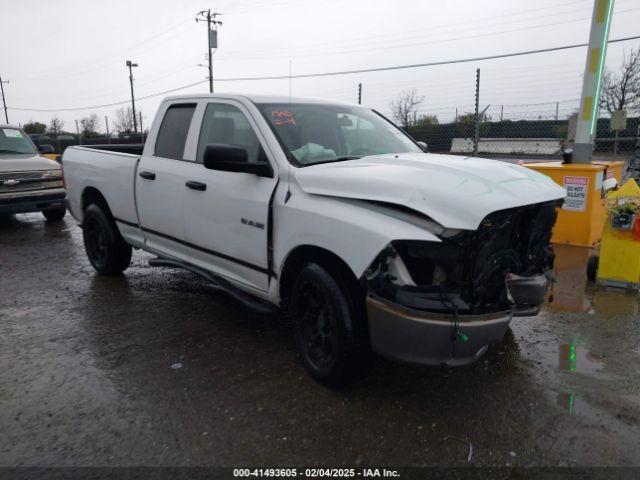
x,y
445,302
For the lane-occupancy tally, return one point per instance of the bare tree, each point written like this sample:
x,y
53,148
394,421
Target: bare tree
x,y
621,91
55,126
123,123
404,107
89,125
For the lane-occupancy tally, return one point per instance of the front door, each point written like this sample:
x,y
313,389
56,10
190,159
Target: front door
x,y
227,213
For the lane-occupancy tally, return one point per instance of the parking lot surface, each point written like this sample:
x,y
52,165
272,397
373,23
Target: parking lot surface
x,y
155,368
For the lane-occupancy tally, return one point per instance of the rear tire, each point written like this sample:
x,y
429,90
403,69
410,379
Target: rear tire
x,y
107,251
54,214
329,325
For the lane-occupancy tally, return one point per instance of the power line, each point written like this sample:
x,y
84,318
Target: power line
x,y
337,73
113,104
419,43
106,60
321,49
416,65
403,35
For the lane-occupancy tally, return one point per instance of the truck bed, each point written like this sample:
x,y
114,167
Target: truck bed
x,y
110,172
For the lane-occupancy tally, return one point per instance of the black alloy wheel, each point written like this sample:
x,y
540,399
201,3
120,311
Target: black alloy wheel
x,y
329,325
106,249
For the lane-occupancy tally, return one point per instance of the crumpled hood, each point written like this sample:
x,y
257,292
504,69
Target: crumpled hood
x,y
456,192
26,163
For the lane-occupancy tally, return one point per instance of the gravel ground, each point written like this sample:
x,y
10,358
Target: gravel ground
x,y
154,368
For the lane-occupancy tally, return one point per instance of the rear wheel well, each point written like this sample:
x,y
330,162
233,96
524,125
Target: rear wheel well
x,y
92,195
305,254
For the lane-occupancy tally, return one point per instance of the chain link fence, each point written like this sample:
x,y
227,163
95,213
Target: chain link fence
x,y
516,132
540,132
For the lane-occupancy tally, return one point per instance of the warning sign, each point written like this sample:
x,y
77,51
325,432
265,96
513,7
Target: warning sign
x,y
577,188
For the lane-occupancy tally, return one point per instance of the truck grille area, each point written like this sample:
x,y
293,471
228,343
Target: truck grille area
x,y
12,182
467,272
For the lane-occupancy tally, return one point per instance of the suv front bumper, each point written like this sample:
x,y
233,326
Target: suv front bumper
x,y
31,202
425,338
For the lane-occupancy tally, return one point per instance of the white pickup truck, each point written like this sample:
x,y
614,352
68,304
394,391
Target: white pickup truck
x,y
331,213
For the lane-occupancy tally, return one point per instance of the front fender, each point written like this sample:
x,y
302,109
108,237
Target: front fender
x,y
354,231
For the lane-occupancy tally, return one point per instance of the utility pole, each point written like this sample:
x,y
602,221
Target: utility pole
x,y
6,116
476,134
501,112
360,94
212,37
590,98
106,123
133,100
557,110
141,129
79,135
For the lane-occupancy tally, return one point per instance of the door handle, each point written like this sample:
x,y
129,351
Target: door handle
x,y
147,175
196,185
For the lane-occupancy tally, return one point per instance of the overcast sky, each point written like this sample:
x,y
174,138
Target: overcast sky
x,y
71,53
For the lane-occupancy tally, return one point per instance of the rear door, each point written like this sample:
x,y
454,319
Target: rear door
x,y
160,180
227,223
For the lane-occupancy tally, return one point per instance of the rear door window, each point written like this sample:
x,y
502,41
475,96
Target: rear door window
x,y
172,135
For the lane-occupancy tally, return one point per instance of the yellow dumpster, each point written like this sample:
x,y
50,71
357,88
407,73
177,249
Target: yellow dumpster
x,y
581,218
613,168
619,263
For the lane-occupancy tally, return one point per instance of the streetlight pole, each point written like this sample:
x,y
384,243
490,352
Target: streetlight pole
x,y
133,100
6,116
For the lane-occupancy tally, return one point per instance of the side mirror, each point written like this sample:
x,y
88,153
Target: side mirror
x,y
46,149
423,146
233,158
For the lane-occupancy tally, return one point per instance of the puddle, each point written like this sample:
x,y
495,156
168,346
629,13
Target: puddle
x,y
609,302
572,358
574,293
575,405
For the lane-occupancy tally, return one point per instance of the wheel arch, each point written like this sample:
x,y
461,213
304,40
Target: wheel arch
x,y
303,254
93,195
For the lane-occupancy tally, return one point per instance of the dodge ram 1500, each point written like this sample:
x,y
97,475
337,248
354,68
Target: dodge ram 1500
x,y
331,213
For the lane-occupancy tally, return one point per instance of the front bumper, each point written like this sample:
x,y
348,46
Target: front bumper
x,y
425,338
25,203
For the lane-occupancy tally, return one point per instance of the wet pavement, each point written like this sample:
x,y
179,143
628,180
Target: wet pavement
x,y
155,368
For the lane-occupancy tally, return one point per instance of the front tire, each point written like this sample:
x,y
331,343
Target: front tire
x,y
329,326
54,214
107,251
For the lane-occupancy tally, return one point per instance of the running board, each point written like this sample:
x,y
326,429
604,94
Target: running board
x,y
219,284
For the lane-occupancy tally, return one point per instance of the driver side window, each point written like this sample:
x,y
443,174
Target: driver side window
x,y
223,123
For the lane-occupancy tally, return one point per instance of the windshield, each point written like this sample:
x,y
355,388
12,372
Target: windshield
x,y
12,140
318,133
